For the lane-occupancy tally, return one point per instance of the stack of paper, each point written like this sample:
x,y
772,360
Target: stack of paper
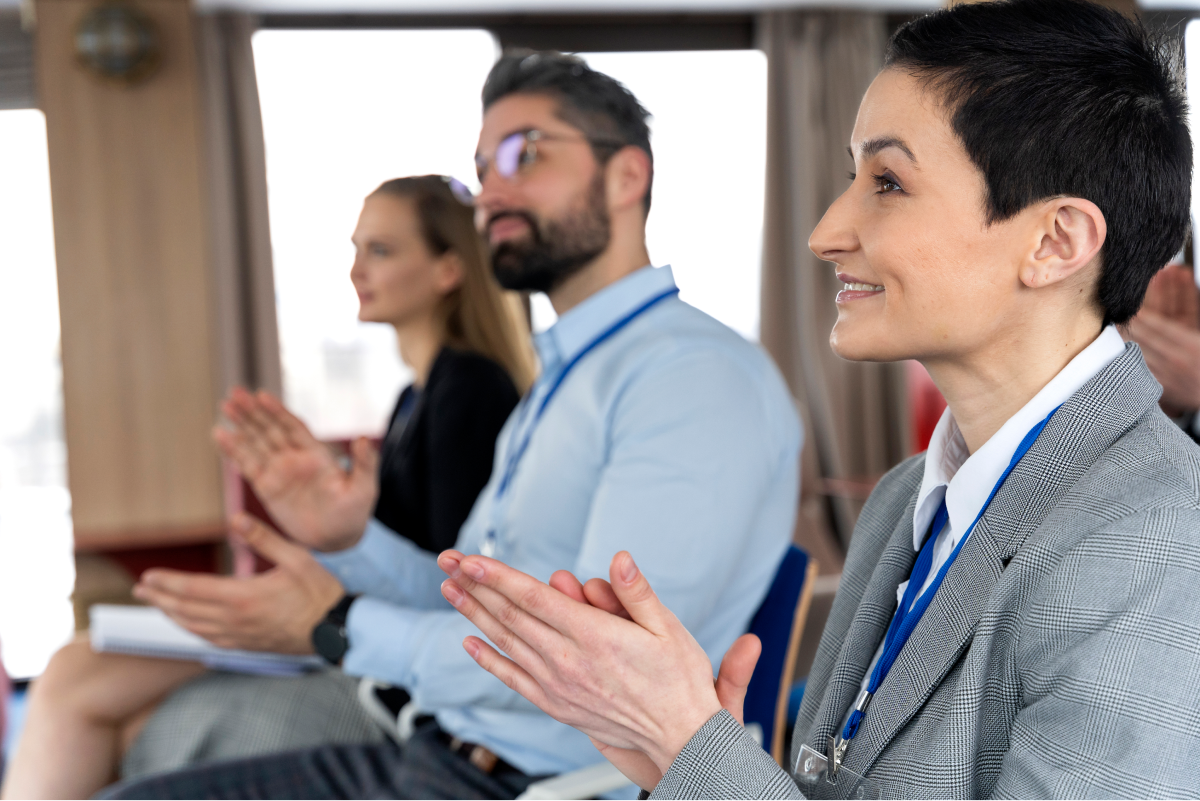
x,y
147,631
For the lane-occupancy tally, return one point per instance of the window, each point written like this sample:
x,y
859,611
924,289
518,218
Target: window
x,y
344,111
709,135
37,570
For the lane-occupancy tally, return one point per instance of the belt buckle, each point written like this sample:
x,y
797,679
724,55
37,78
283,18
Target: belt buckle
x,y
479,756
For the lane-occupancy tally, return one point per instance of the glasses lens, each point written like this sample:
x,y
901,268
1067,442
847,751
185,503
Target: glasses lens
x,y
508,155
460,191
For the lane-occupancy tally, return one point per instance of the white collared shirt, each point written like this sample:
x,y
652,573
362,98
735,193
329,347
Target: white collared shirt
x,y
966,479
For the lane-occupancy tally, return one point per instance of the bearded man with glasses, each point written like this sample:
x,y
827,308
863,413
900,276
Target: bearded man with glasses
x,y
652,428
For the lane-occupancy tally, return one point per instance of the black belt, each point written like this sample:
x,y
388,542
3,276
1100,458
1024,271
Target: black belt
x,y
481,757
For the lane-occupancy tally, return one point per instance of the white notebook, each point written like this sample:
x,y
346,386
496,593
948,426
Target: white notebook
x,y
146,631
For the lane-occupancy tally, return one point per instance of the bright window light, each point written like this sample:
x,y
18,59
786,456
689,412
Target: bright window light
x,y
37,568
343,111
709,135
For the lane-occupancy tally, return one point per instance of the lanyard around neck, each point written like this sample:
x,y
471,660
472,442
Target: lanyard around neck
x,y
912,607
515,456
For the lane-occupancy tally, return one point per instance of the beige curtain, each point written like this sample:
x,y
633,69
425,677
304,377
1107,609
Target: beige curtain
x,y
16,63
237,182
855,415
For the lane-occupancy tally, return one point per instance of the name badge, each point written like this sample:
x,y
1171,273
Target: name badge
x,y
816,776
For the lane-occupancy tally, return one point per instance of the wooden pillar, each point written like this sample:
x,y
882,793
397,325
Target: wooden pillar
x,y
131,234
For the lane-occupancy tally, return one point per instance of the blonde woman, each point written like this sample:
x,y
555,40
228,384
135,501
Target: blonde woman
x,y
421,267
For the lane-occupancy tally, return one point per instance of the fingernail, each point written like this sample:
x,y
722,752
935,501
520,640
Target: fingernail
x,y
629,572
453,594
473,569
450,562
472,648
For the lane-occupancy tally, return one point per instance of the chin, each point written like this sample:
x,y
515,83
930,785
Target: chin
x,y
856,342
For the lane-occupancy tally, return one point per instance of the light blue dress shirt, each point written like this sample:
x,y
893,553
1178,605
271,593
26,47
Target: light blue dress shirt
x,y
674,439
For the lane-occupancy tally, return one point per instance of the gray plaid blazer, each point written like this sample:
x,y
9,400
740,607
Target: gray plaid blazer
x,y
1061,656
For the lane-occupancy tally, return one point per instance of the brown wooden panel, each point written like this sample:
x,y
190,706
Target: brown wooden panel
x,y
134,290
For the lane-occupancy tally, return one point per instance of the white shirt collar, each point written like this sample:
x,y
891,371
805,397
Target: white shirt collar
x,y
965,479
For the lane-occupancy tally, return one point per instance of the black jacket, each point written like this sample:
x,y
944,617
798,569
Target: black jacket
x,y
431,473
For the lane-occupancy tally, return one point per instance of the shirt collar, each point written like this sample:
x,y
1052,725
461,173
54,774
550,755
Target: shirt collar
x,y
582,324
966,479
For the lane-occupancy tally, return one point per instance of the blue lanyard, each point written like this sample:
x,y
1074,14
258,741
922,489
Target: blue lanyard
x,y
515,456
909,614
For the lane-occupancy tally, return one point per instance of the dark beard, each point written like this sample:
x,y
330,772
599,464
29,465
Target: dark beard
x,y
555,250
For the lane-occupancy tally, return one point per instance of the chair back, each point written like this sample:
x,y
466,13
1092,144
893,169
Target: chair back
x,y
779,624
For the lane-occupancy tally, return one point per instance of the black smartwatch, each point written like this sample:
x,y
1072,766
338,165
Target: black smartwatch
x,y
329,636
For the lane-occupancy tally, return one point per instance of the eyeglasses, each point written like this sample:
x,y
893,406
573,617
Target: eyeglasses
x,y
460,191
519,151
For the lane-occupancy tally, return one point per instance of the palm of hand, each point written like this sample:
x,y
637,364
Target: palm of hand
x,y
299,480
313,498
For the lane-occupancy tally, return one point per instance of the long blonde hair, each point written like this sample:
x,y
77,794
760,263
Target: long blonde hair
x,y
480,316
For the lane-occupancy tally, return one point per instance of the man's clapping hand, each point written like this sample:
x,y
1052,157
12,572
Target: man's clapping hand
x,y
300,481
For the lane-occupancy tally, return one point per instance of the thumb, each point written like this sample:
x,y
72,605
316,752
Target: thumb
x,y
364,460
634,592
264,540
736,670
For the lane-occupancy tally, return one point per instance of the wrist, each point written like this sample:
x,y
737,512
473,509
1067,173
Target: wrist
x,y
330,639
666,749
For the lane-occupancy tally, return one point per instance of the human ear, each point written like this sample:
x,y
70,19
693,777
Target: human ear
x,y
1070,233
448,272
627,175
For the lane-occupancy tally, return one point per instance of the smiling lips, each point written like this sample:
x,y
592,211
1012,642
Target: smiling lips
x,y
855,290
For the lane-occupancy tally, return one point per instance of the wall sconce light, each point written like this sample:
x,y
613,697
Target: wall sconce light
x,y
118,43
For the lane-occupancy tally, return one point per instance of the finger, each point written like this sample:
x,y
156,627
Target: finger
x,y
292,426
507,671
267,424
198,586
737,668
234,447
364,460
448,560
183,610
267,542
635,594
599,593
517,599
565,582
511,643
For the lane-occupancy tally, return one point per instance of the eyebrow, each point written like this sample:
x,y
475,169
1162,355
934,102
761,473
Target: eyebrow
x,y
873,146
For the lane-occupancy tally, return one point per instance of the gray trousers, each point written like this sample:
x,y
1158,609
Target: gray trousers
x,y
423,768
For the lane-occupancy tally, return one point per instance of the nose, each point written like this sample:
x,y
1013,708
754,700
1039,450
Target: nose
x,y
835,234
495,193
357,270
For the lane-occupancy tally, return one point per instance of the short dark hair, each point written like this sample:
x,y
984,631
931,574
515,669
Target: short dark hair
x,y
593,102
1059,98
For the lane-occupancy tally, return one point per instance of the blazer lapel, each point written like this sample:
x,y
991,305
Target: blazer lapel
x,y
866,631
1084,428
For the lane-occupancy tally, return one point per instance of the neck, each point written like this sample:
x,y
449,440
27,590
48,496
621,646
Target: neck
x,y
624,255
420,342
989,385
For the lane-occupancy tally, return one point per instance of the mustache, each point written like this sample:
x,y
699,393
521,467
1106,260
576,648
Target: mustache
x,y
518,214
